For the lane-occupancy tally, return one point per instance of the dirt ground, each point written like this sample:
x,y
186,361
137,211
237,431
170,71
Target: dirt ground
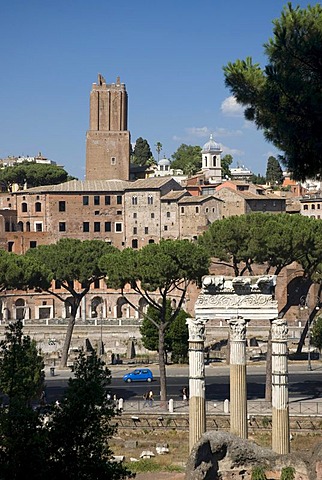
x,y
160,476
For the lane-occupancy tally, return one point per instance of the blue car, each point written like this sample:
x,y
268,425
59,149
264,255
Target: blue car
x,y
139,375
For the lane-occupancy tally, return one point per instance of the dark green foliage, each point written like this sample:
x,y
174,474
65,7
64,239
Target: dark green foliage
x,y
288,473
316,333
33,174
142,154
81,425
274,173
22,438
175,338
226,161
285,99
21,366
258,473
187,158
258,179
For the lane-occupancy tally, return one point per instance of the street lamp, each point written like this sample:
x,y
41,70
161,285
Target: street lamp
x,y
304,305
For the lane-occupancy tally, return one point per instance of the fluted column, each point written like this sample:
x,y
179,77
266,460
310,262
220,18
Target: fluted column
x,y
280,407
197,404
238,387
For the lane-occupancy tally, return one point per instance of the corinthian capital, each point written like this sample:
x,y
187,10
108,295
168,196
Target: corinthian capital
x,y
237,328
196,327
279,330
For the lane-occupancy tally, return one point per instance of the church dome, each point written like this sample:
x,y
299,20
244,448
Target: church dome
x,y
211,146
164,161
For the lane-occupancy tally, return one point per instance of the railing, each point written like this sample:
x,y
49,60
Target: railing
x,y
105,322
261,408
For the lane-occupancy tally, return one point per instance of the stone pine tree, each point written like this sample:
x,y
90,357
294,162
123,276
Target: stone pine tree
x,y
22,437
274,172
74,266
142,154
80,427
158,273
284,99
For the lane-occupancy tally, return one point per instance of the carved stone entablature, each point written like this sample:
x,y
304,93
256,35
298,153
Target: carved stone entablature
x,y
279,330
237,328
233,300
212,284
196,327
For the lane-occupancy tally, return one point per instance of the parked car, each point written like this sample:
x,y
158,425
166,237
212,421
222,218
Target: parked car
x,y
139,375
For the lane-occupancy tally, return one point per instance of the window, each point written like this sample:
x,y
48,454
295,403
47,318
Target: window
x,y
318,206
62,226
119,199
206,209
305,207
150,200
33,244
168,214
62,206
182,209
151,240
97,212
97,283
85,200
197,209
113,161
135,231
107,200
57,284
38,227
38,207
96,200
165,228
312,206
107,226
146,230
85,226
135,215
24,207
10,246
134,243
134,200
152,215
119,212
97,227
118,227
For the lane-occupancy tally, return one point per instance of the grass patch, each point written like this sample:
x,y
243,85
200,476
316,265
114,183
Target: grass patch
x,y
144,465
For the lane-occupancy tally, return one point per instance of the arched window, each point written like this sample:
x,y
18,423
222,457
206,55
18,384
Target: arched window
x,y
20,227
20,309
27,226
24,207
38,207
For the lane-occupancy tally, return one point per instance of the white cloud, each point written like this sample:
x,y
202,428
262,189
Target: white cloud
x,y
198,131
234,152
223,132
231,108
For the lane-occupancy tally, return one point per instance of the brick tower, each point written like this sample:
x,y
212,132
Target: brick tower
x,y
108,140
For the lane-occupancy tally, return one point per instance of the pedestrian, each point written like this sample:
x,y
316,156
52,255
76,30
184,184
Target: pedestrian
x,y
113,359
43,398
146,399
150,398
184,393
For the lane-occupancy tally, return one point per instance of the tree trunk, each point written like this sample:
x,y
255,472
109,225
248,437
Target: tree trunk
x,y
305,330
69,332
268,385
163,377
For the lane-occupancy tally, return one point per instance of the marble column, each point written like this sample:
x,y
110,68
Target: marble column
x,y
280,407
238,387
197,403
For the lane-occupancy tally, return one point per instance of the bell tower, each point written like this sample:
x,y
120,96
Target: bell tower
x,y
108,140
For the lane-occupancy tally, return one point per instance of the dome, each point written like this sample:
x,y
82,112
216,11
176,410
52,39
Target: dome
x,y
164,161
211,146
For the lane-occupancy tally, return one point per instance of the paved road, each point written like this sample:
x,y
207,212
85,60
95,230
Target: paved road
x,y
303,384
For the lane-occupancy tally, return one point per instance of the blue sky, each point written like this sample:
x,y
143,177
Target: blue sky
x,y
169,53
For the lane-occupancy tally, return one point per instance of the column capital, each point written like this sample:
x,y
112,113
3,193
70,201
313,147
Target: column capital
x,y
237,327
196,327
279,330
